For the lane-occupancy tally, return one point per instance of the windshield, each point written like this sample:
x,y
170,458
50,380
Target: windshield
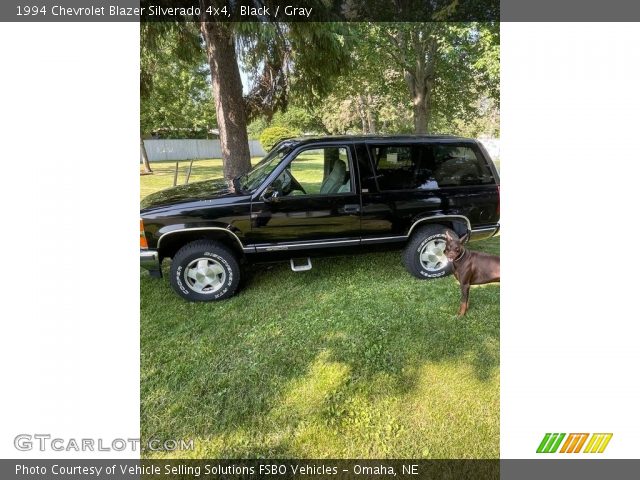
x,y
252,180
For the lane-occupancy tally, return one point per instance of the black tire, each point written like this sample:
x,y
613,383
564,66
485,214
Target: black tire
x,y
429,234
204,271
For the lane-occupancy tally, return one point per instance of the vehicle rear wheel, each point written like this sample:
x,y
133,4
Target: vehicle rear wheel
x,y
424,255
204,271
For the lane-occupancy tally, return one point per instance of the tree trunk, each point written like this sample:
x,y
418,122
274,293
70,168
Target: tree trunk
x,y
371,118
421,80
421,111
362,111
144,157
418,91
227,94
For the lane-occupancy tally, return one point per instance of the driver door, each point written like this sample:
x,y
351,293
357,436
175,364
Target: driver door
x,y
313,203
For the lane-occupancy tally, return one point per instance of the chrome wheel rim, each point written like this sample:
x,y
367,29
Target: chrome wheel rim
x,y
432,257
205,275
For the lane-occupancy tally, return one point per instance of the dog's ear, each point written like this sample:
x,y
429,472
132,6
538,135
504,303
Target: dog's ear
x,y
447,235
464,238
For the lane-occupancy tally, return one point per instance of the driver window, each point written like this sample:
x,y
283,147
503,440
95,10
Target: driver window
x,y
319,171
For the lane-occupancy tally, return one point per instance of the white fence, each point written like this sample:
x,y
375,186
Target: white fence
x,y
183,149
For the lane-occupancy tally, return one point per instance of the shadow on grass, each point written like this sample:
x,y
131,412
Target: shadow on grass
x,y
354,358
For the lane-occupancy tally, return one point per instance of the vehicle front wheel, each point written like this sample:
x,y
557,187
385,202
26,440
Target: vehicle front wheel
x,y
424,255
204,271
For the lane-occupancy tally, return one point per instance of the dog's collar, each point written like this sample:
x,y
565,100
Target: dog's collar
x,y
464,251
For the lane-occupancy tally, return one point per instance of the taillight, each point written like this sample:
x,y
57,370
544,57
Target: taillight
x,y
143,239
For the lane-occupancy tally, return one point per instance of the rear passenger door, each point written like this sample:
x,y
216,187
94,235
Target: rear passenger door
x,y
313,203
417,180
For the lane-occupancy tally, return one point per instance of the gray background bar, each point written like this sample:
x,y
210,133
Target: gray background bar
x,y
569,11
510,10
564,469
537,469
9,10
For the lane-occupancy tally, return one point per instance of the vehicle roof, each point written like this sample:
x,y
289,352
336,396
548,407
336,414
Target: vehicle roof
x,y
375,138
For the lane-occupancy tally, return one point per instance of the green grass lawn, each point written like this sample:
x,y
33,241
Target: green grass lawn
x,y
355,358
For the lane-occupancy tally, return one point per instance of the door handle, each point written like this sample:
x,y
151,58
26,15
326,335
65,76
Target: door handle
x,y
350,208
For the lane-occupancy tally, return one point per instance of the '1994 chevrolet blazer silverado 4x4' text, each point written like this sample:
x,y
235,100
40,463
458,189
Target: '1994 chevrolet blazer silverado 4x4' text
x,y
317,196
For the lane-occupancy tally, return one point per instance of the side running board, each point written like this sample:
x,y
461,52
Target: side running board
x,y
301,268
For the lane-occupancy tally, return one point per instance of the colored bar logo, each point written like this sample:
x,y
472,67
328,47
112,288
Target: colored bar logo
x,y
574,442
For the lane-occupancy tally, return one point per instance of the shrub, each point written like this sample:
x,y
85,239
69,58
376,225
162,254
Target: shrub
x,y
271,136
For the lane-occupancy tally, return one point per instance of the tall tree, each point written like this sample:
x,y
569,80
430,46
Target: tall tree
x,y
406,77
227,92
282,58
444,65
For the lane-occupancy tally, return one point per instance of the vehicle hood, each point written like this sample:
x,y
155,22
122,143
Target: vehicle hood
x,y
193,192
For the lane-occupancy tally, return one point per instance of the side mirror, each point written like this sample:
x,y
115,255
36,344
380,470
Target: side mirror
x,y
270,195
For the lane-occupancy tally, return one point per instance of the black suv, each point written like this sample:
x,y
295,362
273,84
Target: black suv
x,y
323,196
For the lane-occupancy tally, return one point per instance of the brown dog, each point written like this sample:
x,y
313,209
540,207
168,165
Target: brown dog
x,y
470,268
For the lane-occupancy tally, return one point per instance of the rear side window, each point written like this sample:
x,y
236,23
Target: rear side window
x,y
427,167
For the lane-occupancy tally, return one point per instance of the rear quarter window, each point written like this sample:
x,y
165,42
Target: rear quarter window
x,y
429,166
